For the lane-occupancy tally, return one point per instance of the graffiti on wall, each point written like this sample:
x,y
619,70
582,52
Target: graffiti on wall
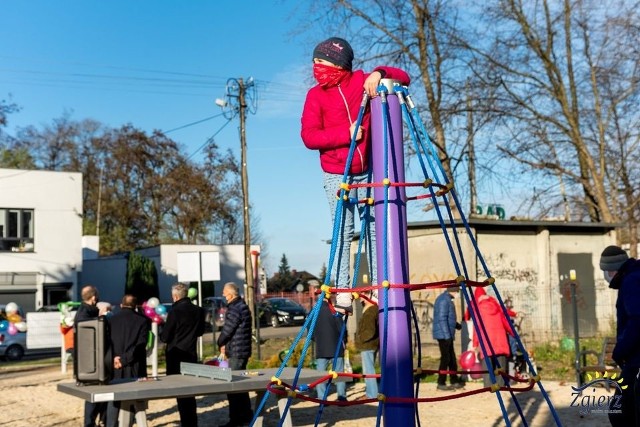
x,y
507,270
423,300
516,282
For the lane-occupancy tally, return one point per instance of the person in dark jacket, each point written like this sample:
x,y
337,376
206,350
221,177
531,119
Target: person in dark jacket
x,y
328,123
367,340
235,343
129,334
444,331
185,323
623,274
326,336
88,310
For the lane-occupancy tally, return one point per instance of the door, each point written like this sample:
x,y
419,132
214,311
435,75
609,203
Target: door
x,y
585,294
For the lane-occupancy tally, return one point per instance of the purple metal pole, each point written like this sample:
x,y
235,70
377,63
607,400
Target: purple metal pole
x,y
397,369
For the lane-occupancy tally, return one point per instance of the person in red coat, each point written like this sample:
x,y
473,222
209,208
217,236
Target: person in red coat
x,y
495,341
329,121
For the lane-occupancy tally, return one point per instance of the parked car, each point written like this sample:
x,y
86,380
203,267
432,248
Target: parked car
x,y
215,311
12,347
281,311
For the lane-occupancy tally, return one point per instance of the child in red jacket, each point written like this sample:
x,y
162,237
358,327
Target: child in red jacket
x,y
328,124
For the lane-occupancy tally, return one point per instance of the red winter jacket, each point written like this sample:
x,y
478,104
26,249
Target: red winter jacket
x,y
495,323
326,121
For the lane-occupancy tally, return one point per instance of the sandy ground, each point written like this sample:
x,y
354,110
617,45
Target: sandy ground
x,y
30,398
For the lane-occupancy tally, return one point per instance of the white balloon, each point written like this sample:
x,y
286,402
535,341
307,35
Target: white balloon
x,y
11,308
21,326
153,302
68,321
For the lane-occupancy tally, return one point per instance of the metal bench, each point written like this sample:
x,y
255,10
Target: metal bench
x,y
605,362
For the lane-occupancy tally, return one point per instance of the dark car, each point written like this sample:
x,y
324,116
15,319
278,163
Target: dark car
x,y
281,311
215,309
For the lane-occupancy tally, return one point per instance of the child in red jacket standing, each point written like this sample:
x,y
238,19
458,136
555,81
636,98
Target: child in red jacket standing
x,y
328,124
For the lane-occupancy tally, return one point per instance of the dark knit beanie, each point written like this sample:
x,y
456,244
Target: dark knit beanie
x,y
612,258
335,50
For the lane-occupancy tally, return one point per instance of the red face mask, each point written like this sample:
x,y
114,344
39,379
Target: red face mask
x,y
328,75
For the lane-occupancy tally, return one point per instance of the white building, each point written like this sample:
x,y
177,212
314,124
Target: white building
x,y
40,236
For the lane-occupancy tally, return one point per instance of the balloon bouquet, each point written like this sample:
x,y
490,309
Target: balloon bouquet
x,y
154,310
158,312
67,316
469,362
11,321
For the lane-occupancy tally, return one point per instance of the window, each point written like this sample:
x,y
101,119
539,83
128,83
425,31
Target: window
x,y
16,230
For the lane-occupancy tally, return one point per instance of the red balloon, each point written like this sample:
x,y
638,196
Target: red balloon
x,y
467,359
156,319
149,311
476,367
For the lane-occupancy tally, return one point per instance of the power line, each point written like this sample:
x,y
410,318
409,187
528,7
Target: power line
x,y
192,123
209,140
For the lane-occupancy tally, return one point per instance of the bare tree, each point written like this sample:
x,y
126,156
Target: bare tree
x,y
565,80
138,189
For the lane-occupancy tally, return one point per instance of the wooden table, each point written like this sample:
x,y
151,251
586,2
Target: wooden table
x,y
138,393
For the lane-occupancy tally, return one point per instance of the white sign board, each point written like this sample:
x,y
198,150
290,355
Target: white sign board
x,y
43,330
210,266
190,264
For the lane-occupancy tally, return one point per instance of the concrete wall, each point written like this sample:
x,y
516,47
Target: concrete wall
x,y
56,198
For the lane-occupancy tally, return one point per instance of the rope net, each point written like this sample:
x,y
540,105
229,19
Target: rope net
x,y
441,193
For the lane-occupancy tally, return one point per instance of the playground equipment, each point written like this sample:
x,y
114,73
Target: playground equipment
x,y
399,379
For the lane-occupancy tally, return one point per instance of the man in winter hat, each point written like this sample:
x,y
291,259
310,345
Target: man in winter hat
x,y
623,274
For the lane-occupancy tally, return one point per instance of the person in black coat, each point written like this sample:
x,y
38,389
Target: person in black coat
x,y
129,334
235,343
185,323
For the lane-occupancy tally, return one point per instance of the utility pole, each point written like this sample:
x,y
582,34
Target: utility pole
x,y
248,267
237,103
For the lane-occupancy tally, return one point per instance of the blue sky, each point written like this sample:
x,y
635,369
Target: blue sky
x,y
161,65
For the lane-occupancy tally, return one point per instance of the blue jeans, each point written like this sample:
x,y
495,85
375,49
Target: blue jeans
x,y
368,367
321,365
342,256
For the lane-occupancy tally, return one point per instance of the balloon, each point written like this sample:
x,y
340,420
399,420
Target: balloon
x,y
467,359
12,330
161,309
192,293
14,318
153,302
68,321
11,308
477,366
156,319
4,325
149,311
21,326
